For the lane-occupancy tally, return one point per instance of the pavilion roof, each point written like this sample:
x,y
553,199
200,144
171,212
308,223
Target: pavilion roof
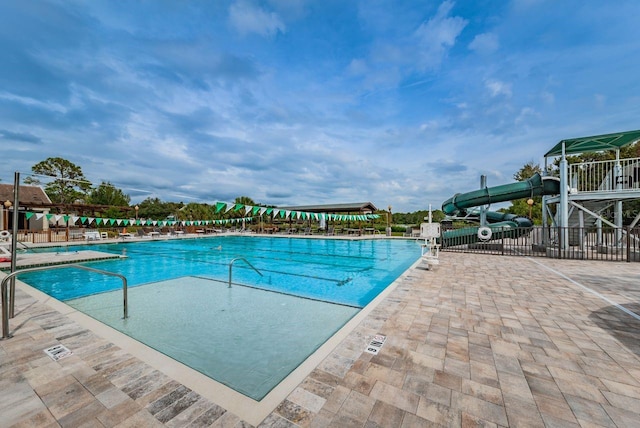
x,y
595,143
361,207
28,195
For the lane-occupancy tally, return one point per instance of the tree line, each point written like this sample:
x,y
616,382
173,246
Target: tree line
x,y
70,186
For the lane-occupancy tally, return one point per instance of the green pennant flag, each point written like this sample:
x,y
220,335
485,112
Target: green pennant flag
x,y
220,206
83,220
255,210
48,216
238,207
269,211
28,215
66,218
125,222
112,221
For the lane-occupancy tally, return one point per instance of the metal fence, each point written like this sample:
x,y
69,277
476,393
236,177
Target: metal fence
x,y
564,243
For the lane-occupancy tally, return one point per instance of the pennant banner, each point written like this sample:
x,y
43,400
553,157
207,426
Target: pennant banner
x,y
249,210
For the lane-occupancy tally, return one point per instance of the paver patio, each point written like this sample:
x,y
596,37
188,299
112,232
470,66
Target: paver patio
x,y
477,341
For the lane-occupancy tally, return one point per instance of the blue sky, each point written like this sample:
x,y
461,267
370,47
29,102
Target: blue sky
x,y
400,103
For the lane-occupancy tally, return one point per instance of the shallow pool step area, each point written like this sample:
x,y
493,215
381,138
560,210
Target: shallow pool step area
x,y
245,338
26,260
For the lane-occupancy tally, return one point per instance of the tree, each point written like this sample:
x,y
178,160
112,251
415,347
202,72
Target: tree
x,y
243,200
527,171
155,209
521,207
196,211
107,194
70,184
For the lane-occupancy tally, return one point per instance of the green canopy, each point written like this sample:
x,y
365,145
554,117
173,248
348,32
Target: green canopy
x,y
595,143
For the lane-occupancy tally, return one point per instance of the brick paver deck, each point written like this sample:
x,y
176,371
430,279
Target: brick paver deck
x,y
477,341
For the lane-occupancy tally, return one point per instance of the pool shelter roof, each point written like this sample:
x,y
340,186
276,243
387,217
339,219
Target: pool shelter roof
x,y
360,207
29,195
595,143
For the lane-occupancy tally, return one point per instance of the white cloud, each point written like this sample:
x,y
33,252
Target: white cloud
x,y
525,113
497,88
247,18
548,97
438,35
357,67
484,43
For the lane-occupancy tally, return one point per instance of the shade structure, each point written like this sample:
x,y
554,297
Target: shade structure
x,y
595,143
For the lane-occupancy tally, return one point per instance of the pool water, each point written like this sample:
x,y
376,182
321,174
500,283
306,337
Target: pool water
x,y
347,272
252,335
243,337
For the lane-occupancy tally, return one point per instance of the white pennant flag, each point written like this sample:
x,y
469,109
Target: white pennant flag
x,y
39,216
118,221
262,210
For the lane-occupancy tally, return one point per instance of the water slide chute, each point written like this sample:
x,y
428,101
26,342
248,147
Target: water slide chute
x,y
501,225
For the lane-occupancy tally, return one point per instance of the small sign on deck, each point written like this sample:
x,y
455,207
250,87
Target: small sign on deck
x,y
375,344
58,352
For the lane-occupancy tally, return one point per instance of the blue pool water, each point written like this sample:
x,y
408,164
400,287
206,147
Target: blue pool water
x,y
252,335
347,272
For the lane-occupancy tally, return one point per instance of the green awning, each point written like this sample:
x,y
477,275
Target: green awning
x,y
595,143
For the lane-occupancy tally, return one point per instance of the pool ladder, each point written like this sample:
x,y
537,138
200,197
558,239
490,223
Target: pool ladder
x,y
244,260
7,291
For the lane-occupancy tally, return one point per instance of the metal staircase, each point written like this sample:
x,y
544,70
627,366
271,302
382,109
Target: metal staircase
x,y
587,221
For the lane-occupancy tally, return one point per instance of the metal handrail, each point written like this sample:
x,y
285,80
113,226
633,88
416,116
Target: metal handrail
x,y
244,260
8,307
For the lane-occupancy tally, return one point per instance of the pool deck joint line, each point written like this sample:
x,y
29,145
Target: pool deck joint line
x,y
476,341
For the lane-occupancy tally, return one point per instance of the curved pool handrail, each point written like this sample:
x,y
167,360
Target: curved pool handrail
x,y
8,303
244,260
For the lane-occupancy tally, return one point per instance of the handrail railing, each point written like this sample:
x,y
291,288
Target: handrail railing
x,y
8,303
605,176
244,260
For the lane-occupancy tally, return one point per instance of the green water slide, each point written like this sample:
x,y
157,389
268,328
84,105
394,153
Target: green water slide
x,y
500,225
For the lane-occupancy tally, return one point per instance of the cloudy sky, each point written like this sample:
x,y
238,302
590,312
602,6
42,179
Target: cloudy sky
x,y
400,103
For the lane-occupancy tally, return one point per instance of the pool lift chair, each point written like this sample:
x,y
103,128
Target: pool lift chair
x,y
430,232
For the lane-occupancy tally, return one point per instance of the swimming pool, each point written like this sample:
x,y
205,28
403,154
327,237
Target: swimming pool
x,y
347,272
250,336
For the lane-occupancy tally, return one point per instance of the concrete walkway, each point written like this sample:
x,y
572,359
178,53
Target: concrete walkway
x,y
477,341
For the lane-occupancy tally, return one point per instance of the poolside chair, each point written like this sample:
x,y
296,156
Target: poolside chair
x,y
175,233
306,231
141,233
5,254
